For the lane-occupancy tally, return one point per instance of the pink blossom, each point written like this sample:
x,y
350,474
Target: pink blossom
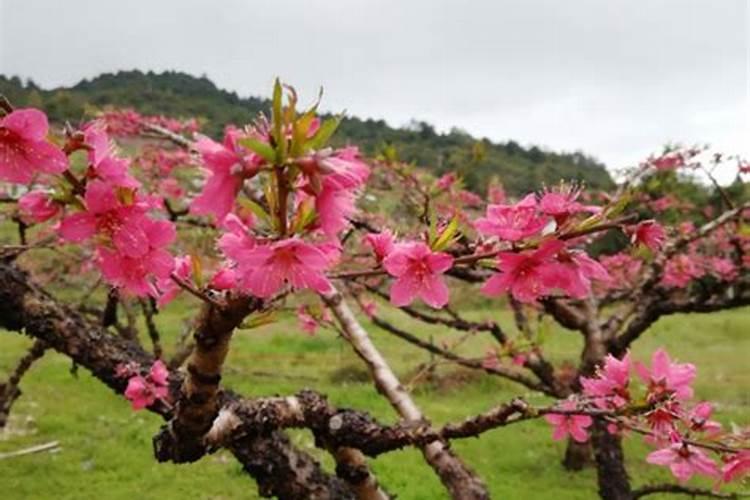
x,y
622,268
307,323
496,194
668,161
512,222
224,279
332,250
334,207
144,391
369,308
609,389
561,203
24,150
680,270
662,420
569,424
667,377
526,275
737,467
381,243
418,271
519,359
107,216
686,228
700,419
648,233
723,268
490,360
170,188
104,164
183,269
469,199
139,393
575,274
684,461
343,168
229,165
38,206
663,204
446,181
236,241
137,275
263,269
159,375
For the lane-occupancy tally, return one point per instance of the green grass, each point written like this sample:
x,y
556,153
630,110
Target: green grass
x,y
106,448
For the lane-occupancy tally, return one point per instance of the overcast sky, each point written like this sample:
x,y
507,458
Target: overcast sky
x,y
614,78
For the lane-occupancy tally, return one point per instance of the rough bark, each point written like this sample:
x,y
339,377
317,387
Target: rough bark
x,y
278,467
181,440
461,482
612,477
577,455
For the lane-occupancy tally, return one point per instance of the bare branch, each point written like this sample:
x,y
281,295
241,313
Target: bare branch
x,y
457,477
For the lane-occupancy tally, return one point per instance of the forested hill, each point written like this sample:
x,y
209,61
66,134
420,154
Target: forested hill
x,y
181,95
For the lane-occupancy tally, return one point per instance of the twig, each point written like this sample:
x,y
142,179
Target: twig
x,y
468,363
168,134
9,391
195,292
682,490
153,332
51,446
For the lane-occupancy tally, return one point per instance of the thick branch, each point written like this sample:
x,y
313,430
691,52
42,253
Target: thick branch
x,y
460,481
182,439
719,298
278,467
680,489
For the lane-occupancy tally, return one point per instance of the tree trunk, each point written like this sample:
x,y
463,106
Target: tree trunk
x,y
577,455
610,462
612,478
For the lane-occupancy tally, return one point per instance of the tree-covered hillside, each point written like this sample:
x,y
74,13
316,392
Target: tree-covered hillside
x,y
180,95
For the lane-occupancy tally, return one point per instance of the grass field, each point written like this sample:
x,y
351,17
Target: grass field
x,y
106,448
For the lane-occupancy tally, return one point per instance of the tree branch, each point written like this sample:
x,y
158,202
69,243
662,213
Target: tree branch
x,y
460,481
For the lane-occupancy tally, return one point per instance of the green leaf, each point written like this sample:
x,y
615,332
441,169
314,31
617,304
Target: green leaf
x,y
305,216
270,193
276,109
256,209
197,268
446,238
278,122
432,235
619,207
259,319
299,132
324,133
262,149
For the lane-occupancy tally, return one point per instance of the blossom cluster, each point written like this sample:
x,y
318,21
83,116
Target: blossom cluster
x,y
128,122
660,408
144,390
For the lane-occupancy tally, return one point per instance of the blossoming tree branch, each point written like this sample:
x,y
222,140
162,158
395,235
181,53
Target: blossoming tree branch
x,y
268,217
